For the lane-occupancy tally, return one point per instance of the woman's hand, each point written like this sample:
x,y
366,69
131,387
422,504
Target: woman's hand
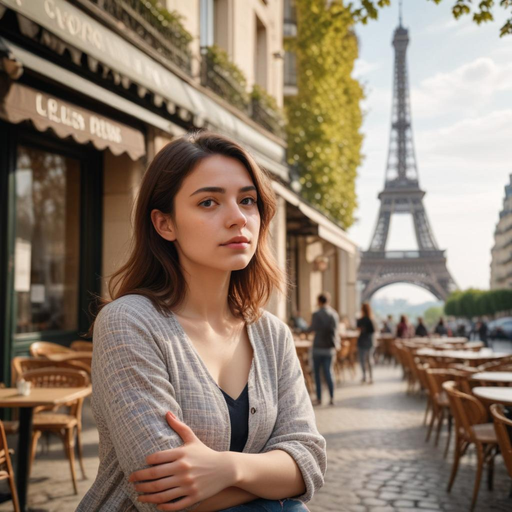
x,y
192,472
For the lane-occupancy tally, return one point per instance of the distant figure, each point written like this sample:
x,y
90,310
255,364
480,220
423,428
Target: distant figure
x,y
385,329
421,330
325,324
461,330
391,323
297,322
365,340
483,331
440,328
402,329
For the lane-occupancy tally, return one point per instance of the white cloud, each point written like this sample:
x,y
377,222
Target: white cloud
x,y
464,90
363,67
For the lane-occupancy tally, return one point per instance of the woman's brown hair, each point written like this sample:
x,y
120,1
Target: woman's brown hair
x,y
153,267
366,310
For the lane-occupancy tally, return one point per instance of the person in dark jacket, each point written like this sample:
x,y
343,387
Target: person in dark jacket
x,y
365,340
441,328
402,329
421,330
325,324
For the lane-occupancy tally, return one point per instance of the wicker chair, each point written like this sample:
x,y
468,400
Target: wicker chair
x,y
41,348
502,426
6,472
471,427
64,425
81,346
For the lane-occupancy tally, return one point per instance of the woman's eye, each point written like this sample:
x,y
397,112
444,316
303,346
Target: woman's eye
x,y
251,199
207,203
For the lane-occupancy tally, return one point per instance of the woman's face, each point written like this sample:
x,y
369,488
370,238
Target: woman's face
x,y
216,203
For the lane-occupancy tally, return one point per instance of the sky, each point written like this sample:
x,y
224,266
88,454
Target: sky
x,y
460,77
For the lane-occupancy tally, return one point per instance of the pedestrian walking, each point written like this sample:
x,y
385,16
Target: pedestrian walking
x,y
365,341
188,370
483,332
325,325
440,329
421,330
402,329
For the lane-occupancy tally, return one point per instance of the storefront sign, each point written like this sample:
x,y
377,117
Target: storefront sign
x,y
86,34
65,119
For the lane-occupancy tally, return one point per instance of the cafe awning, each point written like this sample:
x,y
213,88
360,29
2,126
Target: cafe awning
x,y
318,224
23,103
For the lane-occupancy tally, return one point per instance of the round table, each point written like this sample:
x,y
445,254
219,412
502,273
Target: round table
x,y
495,377
495,395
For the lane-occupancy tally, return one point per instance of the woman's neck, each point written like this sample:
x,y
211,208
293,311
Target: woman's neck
x,y
206,298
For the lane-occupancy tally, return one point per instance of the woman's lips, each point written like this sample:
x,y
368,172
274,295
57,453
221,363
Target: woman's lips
x,y
237,245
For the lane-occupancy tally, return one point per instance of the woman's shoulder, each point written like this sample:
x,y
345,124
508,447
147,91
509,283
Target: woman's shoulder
x,y
271,324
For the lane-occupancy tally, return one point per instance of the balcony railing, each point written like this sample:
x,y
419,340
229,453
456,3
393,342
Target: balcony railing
x,y
224,78
265,112
157,26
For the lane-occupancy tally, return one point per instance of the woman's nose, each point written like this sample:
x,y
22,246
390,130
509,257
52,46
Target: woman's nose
x,y
236,216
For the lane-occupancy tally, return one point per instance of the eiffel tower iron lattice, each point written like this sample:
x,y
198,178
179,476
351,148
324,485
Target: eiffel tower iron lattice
x,y
426,266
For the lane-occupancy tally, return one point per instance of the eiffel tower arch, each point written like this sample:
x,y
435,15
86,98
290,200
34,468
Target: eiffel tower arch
x,y
426,266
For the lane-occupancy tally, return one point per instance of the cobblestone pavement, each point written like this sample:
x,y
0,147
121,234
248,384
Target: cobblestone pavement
x,y
378,459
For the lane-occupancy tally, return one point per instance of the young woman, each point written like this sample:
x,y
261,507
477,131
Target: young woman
x,y
198,394
365,340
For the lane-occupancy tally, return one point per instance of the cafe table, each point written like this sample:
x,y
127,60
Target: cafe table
x,y
471,357
495,395
9,397
67,356
493,377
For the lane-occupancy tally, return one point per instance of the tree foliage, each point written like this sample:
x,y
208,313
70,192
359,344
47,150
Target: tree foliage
x,y
472,303
324,119
432,315
481,11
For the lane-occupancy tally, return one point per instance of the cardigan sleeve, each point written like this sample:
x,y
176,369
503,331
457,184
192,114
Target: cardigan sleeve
x,y
132,391
295,430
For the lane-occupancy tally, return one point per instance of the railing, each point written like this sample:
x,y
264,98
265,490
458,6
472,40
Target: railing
x,y
158,27
265,112
403,254
223,77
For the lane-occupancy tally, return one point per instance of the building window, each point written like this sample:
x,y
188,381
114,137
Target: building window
x,y
260,57
290,19
47,241
290,69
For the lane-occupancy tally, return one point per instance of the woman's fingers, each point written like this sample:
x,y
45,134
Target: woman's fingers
x,y
165,496
158,485
154,473
178,505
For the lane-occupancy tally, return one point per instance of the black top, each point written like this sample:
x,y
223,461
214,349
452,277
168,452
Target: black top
x,y
365,339
239,419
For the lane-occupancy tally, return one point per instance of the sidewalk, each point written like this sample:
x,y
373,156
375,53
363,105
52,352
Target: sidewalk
x,y
378,460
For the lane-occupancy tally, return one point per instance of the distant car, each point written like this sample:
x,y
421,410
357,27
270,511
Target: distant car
x,y
500,329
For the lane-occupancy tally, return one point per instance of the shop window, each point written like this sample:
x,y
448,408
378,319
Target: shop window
x,y
47,241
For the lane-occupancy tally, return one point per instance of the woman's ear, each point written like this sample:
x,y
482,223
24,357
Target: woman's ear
x,y
163,225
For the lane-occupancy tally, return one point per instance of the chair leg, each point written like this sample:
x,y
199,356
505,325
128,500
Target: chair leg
x,y
439,426
33,448
479,469
80,452
427,410
456,457
450,419
67,439
14,494
432,421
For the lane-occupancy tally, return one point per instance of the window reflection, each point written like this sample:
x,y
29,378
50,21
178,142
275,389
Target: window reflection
x,y
47,241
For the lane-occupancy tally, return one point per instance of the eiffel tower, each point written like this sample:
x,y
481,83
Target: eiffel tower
x,y
426,266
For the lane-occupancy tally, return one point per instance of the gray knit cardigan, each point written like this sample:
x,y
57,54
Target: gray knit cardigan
x,y
144,365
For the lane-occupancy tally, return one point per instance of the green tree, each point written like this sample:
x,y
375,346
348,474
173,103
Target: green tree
x,y
481,11
432,316
324,119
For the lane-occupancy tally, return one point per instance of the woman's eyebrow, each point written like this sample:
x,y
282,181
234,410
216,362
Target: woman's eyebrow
x,y
221,190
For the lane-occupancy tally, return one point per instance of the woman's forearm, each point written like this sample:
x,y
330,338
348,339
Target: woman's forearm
x,y
273,475
230,497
